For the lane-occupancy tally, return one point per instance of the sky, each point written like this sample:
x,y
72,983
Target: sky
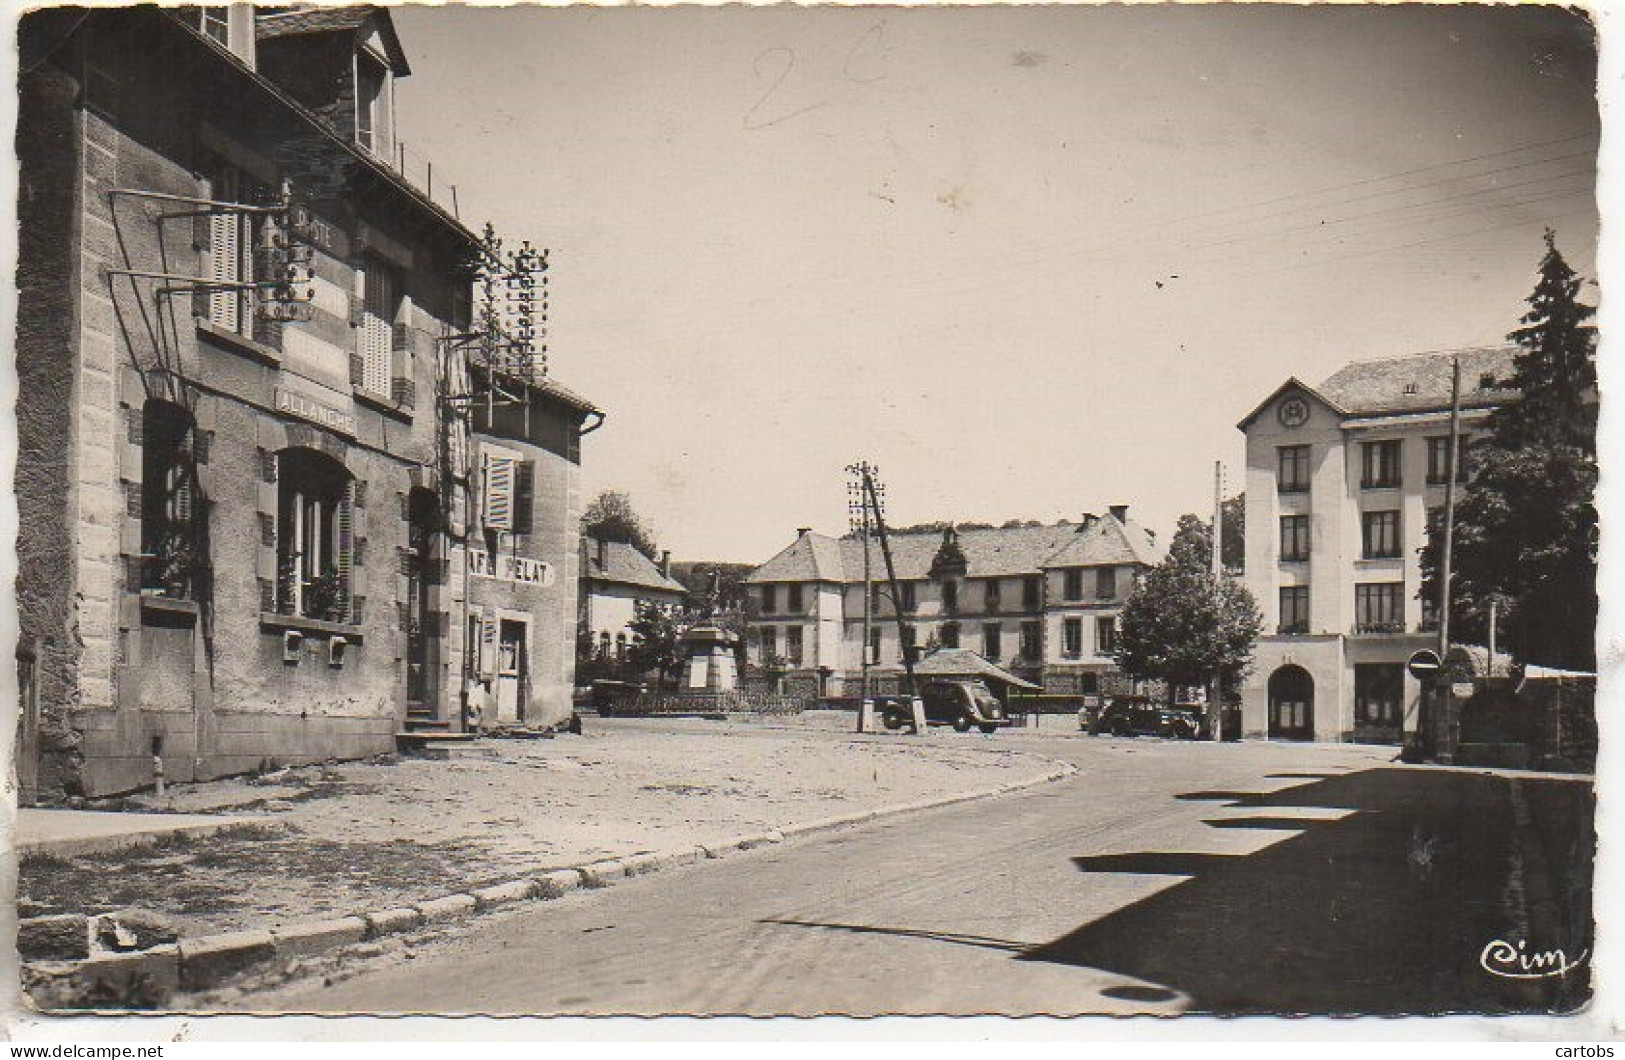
x,y
1030,261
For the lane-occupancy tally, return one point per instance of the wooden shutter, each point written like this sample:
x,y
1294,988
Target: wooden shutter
x,y
500,480
225,261
488,645
344,560
378,330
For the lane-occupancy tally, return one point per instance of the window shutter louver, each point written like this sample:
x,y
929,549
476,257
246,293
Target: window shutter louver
x,y
377,330
488,646
346,548
499,492
225,256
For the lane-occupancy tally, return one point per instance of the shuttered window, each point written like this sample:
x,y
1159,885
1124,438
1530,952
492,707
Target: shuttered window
x,y
171,539
507,491
380,302
315,536
229,246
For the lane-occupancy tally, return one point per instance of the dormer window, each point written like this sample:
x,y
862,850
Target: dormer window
x,y
214,23
374,130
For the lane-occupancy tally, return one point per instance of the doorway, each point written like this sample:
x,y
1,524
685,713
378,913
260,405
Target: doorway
x,y
423,517
1292,704
512,670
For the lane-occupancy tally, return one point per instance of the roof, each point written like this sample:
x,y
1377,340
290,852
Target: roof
x,y
301,20
1107,541
962,662
989,553
1418,382
1367,387
625,565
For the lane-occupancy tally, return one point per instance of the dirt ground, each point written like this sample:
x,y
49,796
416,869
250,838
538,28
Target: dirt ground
x,y
344,838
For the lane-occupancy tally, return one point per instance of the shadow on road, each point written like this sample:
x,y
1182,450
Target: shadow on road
x,y
1386,910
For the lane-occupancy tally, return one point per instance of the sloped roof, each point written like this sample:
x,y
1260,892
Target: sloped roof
x,y
1374,387
625,565
1292,383
1107,541
993,553
301,20
961,662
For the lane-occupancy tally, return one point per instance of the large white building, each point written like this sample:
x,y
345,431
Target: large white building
x,y
1041,601
1341,479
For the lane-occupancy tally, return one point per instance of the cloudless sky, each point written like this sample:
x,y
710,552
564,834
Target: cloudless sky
x,y
1032,261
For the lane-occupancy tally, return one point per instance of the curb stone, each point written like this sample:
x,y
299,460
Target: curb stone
x,y
206,961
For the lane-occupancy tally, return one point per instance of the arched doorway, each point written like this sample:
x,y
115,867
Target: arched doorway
x,y
1292,704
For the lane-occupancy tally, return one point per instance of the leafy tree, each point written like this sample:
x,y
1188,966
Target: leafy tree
x,y
1525,535
1183,626
611,517
1193,535
656,640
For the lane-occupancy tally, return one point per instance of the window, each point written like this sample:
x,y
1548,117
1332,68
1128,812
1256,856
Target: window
x,y
992,597
910,598
1379,534
792,645
1105,635
794,602
874,645
950,596
372,111
1294,609
1379,694
1072,637
1379,465
214,23
172,550
1294,538
1439,460
949,637
1032,588
991,646
1031,635
230,256
1106,582
620,646
770,643
505,490
1293,469
381,302
911,637
603,642
1073,588
1379,607
315,542
769,601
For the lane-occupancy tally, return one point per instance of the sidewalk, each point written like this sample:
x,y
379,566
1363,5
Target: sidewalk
x,y
336,839
75,833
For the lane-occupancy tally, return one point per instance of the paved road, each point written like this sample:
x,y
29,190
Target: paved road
x,y
1166,878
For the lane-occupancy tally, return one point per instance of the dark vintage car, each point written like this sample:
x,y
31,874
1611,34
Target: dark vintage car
x,y
963,703
1138,716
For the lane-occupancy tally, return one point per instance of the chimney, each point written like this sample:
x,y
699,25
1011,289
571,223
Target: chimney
x,y
1119,512
665,563
803,531
1089,519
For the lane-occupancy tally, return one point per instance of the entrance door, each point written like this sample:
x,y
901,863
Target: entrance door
x,y
511,670
27,747
422,520
1292,704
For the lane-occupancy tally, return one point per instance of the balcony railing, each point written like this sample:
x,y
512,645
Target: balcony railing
x,y
1292,629
1379,627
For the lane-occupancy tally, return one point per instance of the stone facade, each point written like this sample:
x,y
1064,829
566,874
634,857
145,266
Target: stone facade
x,y
256,448
1041,601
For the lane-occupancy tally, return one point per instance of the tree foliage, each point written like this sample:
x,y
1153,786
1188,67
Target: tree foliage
x,y
1183,626
611,517
1193,536
657,634
1525,532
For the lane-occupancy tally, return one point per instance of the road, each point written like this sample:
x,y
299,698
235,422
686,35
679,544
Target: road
x,y
1165,878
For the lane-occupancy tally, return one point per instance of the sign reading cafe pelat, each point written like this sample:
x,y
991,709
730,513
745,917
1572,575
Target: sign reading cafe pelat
x,y
510,568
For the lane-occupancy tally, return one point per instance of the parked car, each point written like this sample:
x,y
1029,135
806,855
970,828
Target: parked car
x,y
960,702
1138,716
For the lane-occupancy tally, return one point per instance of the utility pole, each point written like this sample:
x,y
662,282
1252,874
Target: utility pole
x,y
857,505
1447,749
873,494
1215,694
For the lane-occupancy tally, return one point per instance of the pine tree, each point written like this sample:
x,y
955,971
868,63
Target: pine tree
x,y
1556,372
1526,527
